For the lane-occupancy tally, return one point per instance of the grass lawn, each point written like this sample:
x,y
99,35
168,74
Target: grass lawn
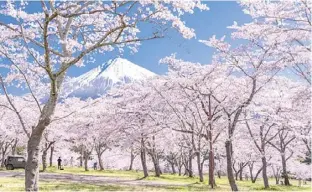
x,y
17,184
174,183
109,173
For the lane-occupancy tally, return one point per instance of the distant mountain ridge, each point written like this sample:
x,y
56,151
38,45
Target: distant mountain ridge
x,y
99,80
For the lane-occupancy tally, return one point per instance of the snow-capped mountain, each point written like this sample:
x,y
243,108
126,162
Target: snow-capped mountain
x,y
99,80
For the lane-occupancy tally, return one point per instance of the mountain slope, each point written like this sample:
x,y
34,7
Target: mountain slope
x,y
99,80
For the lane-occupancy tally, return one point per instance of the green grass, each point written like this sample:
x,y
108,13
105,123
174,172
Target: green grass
x,y
110,173
173,183
17,184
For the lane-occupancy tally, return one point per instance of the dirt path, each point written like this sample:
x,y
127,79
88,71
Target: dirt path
x,y
92,179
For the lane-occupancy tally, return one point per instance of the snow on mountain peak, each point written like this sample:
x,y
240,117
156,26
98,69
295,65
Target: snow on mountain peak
x,y
99,80
122,68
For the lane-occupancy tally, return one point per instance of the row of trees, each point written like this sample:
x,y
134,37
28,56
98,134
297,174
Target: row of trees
x,y
245,106
39,46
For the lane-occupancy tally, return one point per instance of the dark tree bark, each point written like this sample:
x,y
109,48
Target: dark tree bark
x,y
228,147
252,177
285,174
264,140
154,156
241,174
100,147
284,140
86,156
156,165
100,161
4,149
143,158
241,168
210,116
256,176
32,164
171,159
186,169
276,173
239,171
132,157
264,173
180,165
44,160
14,145
190,163
211,167
232,122
81,157
51,155
46,148
200,168
173,168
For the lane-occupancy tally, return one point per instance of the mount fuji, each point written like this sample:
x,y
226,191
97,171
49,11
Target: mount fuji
x,y
99,80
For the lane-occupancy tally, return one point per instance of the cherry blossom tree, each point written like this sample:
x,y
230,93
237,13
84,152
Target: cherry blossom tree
x,y
193,87
40,47
285,24
264,116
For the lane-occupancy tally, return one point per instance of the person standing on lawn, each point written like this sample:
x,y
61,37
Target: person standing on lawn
x,y
95,165
59,163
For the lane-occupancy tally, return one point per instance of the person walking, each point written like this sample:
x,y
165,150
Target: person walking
x,y
95,165
59,163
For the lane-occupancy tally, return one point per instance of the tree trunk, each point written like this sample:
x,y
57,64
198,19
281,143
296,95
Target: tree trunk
x,y
81,157
256,176
228,147
276,180
173,168
241,175
200,169
156,165
211,168
4,148
236,175
3,158
211,181
100,161
51,155
44,159
32,163
159,165
264,173
86,158
286,179
186,171
190,163
180,170
13,152
250,165
132,157
241,171
143,159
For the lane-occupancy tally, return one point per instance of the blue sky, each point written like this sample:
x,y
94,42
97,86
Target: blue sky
x,y
205,23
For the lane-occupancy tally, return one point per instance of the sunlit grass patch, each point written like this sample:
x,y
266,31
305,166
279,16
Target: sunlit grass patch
x,y
110,173
166,182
